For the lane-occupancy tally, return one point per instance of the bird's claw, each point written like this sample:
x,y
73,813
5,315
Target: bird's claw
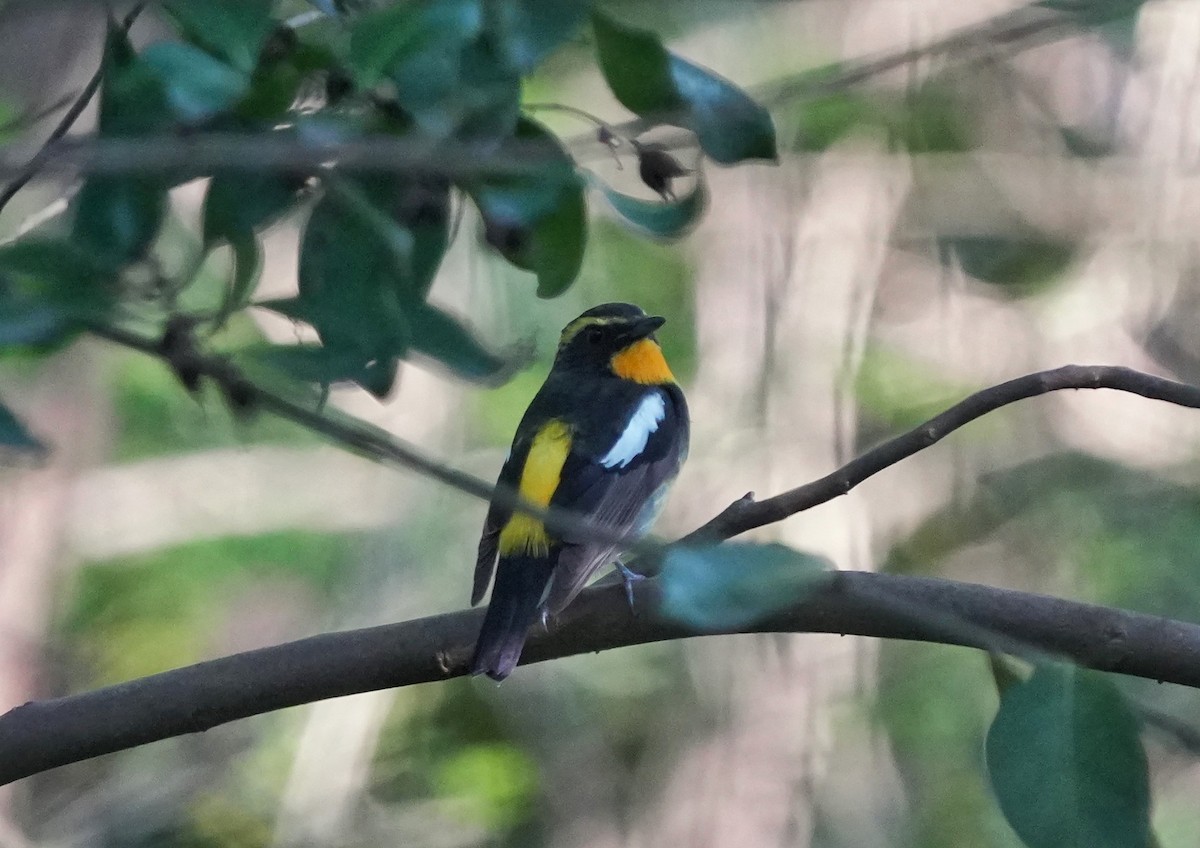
x,y
628,577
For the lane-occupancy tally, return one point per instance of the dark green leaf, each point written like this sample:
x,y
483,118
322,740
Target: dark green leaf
x,y
666,220
58,275
132,98
1067,765
238,203
236,206
1023,265
247,262
197,86
28,321
369,251
273,90
538,224
326,366
231,29
1092,12
636,66
650,81
382,40
488,97
14,436
119,217
348,282
730,125
531,29
443,338
735,584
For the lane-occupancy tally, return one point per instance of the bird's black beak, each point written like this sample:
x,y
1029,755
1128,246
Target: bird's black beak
x,y
641,328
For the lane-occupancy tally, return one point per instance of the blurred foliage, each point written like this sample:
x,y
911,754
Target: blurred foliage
x,y
436,74
1067,764
457,75
155,611
736,584
898,392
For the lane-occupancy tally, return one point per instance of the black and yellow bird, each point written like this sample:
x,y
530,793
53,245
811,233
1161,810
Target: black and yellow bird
x,y
604,438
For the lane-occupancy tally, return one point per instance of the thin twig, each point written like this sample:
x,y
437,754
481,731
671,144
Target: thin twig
x,y
747,514
44,154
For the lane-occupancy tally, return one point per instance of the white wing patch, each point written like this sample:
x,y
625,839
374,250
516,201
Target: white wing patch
x,y
644,421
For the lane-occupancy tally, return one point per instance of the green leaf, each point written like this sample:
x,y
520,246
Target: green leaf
x,y
531,29
1067,765
326,366
247,263
731,126
650,81
348,282
383,39
132,98
735,584
240,203
273,89
1022,264
442,337
197,86
236,206
665,220
636,66
1093,12
119,217
538,224
234,30
14,436
58,275
28,321
368,254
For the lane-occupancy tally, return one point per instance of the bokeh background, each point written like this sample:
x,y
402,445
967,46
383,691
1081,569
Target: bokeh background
x,y
967,215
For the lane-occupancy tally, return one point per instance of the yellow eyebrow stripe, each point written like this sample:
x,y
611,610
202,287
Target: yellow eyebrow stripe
x,y
524,534
572,329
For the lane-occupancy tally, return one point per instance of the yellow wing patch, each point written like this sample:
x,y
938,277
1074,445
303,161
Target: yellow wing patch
x,y
524,534
643,362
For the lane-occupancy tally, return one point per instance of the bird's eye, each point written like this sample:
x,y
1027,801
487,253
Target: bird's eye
x,y
593,335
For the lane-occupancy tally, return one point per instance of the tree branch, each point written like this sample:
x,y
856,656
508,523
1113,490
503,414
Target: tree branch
x,y
44,734
747,514
46,152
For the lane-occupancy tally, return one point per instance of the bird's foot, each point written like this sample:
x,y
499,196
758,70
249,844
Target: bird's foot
x,y
628,577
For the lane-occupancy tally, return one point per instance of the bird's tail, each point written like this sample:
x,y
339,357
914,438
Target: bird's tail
x,y
520,583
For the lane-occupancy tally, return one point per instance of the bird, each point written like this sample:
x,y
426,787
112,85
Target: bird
x,y
604,438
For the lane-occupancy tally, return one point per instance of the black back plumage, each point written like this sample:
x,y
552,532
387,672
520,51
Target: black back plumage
x,y
598,406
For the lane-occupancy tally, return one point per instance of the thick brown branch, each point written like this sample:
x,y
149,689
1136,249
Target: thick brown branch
x,y
45,734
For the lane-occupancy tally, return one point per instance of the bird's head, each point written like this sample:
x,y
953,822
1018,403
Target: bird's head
x,y
614,339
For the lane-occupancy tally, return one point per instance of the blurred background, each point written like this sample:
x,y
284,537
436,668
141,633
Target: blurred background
x,y
973,210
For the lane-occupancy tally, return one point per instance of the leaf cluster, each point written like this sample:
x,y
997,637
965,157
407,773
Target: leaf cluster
x,y
437,75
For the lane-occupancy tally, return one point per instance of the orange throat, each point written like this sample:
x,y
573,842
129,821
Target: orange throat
x,y
643,362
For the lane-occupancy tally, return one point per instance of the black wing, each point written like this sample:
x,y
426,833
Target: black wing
x,y
623,499
497,517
